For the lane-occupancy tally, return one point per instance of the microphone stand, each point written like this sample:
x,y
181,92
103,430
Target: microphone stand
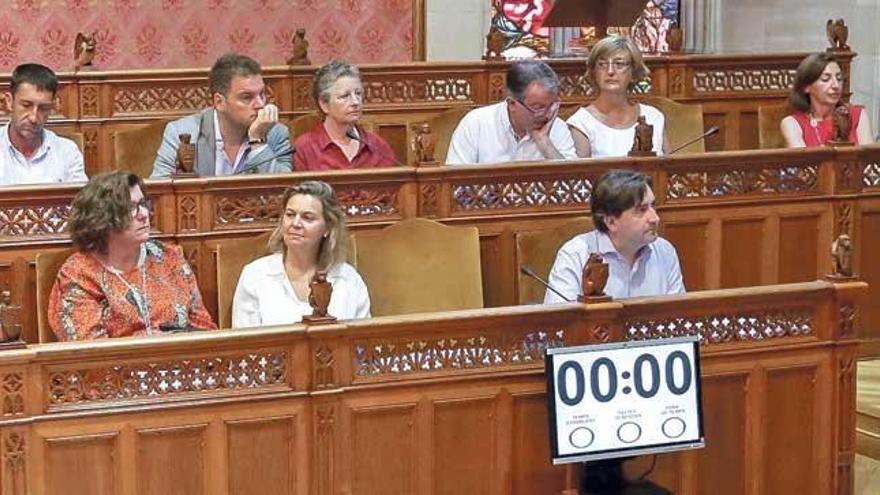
x,y
712,130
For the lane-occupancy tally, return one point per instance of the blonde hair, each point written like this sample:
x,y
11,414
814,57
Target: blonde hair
x,y
333,247
609,46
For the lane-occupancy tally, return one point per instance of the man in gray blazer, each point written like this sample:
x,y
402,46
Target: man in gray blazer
x,y
240,134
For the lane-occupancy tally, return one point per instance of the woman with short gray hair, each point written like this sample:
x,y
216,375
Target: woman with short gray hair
x,y
339,142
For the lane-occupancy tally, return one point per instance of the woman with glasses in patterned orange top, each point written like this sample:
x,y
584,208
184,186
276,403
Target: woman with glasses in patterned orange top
x,y
120,282
606,127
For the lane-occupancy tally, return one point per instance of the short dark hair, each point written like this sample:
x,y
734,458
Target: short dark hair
x,y
521,74
808,72
616,192
39,75
101,206
228,66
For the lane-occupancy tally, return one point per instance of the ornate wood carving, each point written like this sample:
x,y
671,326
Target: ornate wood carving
x,y
14,455
155,99
722,328
302,94
843,216
429,200
234,210
12,393
871,175
848,314
849,176
574,86
188,216
89,100
378,201
324,376
601,334
565,192
738,80
405,356
750,180
23,221
421,90
676,82
846,427
90,144
497,86
159,380
324,451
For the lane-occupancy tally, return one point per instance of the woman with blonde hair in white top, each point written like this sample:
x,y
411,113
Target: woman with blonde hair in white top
x,y
311,236
606,127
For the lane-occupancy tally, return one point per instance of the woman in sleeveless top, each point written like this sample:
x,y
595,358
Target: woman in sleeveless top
x,y
607,126
818,88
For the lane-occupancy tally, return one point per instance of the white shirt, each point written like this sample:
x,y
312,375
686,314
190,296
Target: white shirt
x,y
610,141
265,296
57,160
485,135
222,164
656,271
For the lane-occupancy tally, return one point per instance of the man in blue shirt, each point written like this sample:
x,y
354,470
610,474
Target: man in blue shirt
x,y
640,262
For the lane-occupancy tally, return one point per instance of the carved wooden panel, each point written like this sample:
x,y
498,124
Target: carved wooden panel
x,y
188,213
261,453
722,462
871,175
81,465
27,221
183,98
574,86
497,86
790,415
401,356
429,198
751,180
325,453
383,440
14,465
12,394
171,460
373,203
464,426
868,269
160,380
89,100
798,243
381,90
742,80
558,192
743,326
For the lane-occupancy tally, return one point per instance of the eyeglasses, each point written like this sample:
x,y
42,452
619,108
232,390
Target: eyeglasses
x,y
146,204
538,112
616,64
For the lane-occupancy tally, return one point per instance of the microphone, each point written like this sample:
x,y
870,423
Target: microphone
x,y
352,134
527,270
712,130
257,163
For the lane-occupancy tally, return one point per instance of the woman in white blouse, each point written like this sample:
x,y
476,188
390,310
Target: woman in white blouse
x,y
606,127
310,236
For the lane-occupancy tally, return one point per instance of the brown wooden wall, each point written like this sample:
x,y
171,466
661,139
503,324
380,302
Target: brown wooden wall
x,y
730,88
736,218
392,405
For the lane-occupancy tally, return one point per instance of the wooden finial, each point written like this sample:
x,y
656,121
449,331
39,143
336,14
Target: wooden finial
x,y
186,157
495,42
841,256
10,322
300,49
84,51
423,145
837,33
643,140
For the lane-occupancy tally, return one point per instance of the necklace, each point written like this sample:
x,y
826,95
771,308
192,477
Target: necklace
x,y
139,298
814,123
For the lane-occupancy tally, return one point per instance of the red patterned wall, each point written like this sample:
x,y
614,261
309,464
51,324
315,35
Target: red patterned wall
x,y
155,34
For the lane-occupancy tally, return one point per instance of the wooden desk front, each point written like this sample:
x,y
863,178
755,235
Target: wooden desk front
x,y
433,403
737,218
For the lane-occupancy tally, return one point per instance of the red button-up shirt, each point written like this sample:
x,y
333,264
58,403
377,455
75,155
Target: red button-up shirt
x,y
316,151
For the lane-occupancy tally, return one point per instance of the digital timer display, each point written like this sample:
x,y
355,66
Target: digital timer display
x,y
616,400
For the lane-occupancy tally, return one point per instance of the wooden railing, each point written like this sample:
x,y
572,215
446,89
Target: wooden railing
x,y
730,88
433,403
737,218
